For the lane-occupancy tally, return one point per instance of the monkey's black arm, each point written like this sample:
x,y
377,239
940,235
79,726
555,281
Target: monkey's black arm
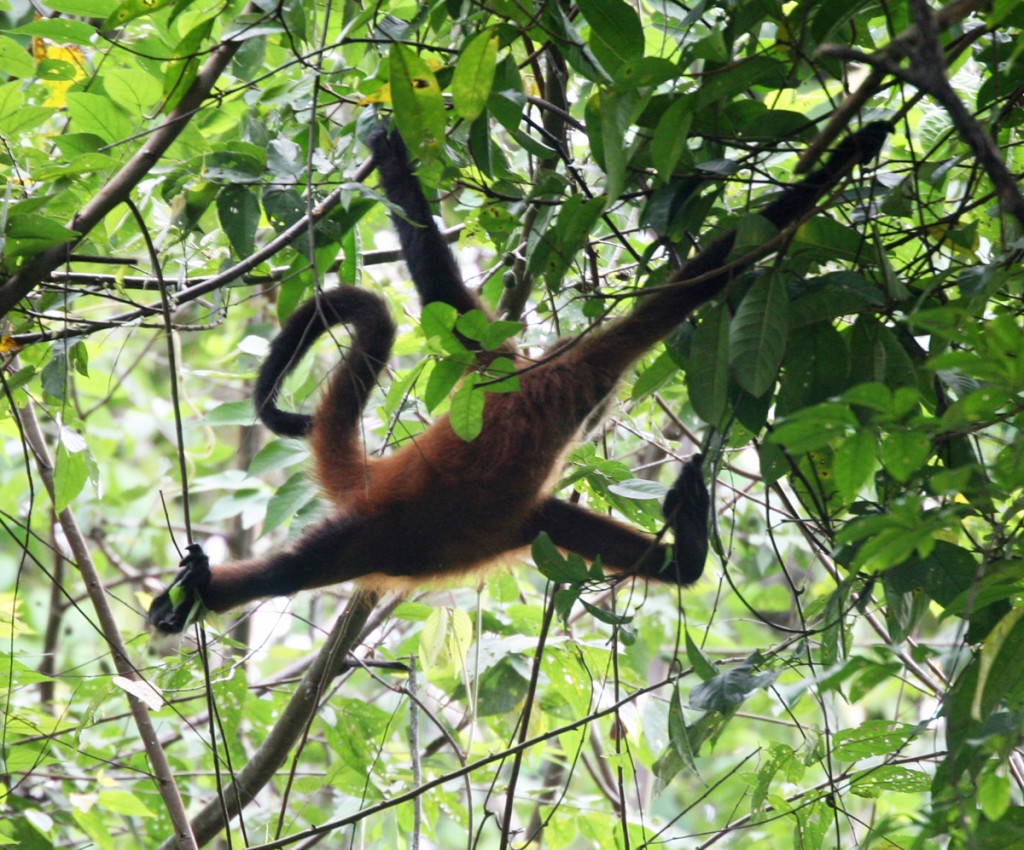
x,y
856,149
612,349
332,551
170,611
430,261
624,550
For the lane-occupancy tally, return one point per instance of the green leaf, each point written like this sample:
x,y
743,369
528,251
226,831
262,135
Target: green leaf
x,y
28,234
232,413
757,335
474,75
772,462
70,473
419,106
502,688
645,71
555,566
605,616
834,240
414,612
638,488
725,692
134,91
446,373
678,733
904,453
15,61
654,376
1001,675
26,118
707,369
670,137
617,109
855,462
85,8
890,777
815,368
557,248
467,410
99,115
490,333
124,803
129,10
284,207
82,164
500,376
181,74
60,30
735,79
432,637
238,209
438,322
994,795
702,665
297,492
278,454
871,738
617,25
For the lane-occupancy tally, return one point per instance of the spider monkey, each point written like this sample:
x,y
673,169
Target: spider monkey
x,y
440,506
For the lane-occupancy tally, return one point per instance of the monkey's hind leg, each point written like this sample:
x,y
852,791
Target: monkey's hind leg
x,y
621,548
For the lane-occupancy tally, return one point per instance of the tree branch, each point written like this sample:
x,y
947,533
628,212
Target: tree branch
x,y
162,773
120,186
305,702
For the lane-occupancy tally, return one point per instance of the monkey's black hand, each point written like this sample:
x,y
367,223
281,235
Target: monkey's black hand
x,y
686,509
171,609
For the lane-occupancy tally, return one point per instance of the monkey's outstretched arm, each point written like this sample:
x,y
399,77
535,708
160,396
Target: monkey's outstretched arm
x,y
333,551
171,610
626,551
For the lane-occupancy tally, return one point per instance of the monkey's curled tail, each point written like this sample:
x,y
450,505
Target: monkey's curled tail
x,y
365,316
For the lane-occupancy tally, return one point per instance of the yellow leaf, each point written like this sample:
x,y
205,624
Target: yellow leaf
x,y
66,66
382,95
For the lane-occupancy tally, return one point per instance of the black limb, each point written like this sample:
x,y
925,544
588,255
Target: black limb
x,y
686,509
856,149
430,261
193,578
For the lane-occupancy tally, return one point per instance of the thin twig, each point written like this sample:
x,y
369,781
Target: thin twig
x,y
163,775
305,701
119,187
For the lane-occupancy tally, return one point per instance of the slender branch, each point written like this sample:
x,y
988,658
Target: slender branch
x,y
524,721
947,16
120,186
928,73
197,290
470,768
305,702
162,773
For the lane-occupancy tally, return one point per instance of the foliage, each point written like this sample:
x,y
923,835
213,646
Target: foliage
x,y
847,674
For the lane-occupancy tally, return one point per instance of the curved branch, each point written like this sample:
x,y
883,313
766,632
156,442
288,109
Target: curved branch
x,y
840,118
120,186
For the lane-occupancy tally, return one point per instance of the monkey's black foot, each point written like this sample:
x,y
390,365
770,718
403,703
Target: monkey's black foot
x,y
686,510
171,610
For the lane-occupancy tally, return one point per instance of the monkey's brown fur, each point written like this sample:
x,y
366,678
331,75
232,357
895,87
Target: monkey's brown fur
x,y
440,505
